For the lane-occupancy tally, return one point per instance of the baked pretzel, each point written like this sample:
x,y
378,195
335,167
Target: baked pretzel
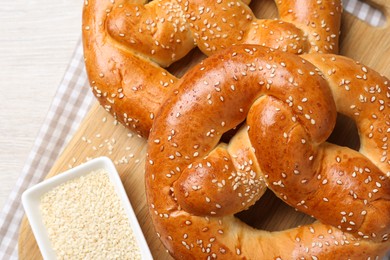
x,y
126,44
194,185
303,26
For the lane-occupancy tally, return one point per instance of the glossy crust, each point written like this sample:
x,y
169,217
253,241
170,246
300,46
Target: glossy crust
x,y
290,105
303,26
127,44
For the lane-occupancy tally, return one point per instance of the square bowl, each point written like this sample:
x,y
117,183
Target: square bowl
x,y
31,200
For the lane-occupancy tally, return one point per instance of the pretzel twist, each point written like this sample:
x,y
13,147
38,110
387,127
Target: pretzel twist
x,y
303,26
290,105
126,44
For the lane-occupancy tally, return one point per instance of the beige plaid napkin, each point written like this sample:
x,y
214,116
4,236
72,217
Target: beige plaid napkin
x,y
69,106
71,103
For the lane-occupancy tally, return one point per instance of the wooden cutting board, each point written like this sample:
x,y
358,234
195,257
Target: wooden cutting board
x,y
100,135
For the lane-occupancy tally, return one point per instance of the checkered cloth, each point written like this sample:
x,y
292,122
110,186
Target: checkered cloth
x,y
71,103
69,106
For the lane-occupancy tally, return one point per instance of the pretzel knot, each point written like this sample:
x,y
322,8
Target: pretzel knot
x,y
126,43
194,185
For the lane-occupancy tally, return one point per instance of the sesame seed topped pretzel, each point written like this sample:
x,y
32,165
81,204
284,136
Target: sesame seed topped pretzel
x,y
127,43
303,26
194,185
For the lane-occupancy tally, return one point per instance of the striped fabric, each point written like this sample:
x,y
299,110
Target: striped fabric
x,y
71,103
365,12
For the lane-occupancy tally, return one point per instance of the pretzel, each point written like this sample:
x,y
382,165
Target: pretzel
x,y
303,26
127,44
194,185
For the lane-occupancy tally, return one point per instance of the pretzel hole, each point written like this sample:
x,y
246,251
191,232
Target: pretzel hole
x,y
265,9
180,67
225,138
366,11
271,214
345,133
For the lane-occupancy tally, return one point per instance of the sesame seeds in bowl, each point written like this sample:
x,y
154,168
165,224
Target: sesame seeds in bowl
x,y
85,213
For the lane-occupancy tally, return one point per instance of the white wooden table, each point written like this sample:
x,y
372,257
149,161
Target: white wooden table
x,y
37,38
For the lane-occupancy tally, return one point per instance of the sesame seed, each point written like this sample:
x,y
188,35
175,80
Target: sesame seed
x,y
65,213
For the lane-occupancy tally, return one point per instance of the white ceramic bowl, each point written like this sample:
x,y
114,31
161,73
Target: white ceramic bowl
x,y
31,203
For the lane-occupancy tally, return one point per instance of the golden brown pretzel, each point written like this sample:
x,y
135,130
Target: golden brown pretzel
x,y
303,26
194,186
126,44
